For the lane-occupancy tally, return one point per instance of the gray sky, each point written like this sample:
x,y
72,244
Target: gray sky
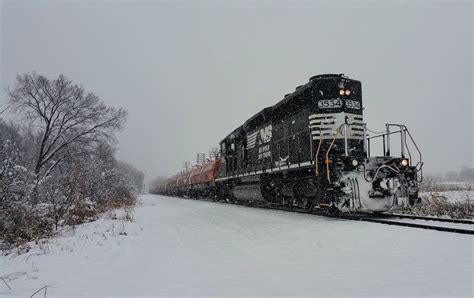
x,y
189,73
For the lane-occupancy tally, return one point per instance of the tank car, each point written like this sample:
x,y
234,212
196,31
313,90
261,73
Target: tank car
x,y
197,182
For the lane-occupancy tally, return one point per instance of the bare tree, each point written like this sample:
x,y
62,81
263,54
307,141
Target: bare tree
x,y
60,168
64,115
4,109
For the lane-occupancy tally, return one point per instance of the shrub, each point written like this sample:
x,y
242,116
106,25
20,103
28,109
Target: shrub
x,y
438,205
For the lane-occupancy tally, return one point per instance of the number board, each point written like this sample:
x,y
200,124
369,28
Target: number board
x,y
352,104
330,103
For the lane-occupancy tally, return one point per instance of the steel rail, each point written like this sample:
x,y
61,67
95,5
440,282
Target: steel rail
x,y
440,219
420,226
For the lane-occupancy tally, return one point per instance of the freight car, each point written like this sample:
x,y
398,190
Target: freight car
x,y
312,149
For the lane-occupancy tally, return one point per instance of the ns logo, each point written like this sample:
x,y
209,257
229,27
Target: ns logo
x,y
265,134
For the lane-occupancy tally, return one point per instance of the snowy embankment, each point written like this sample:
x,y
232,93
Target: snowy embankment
x,y
186,247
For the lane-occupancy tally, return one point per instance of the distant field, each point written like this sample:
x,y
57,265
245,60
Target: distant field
x,y
452,190
432,185
452,195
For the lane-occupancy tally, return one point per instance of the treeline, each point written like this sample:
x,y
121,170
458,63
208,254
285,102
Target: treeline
x,y
465,174
155,184
58,164
451,181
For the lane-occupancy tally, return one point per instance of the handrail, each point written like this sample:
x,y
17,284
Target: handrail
x,y
403,140
421,156
403,130
408,149
383,134
338,131
317,151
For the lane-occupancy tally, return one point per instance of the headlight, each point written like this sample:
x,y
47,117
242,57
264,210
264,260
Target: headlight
x,y
355,162
404,162
348,92
341,92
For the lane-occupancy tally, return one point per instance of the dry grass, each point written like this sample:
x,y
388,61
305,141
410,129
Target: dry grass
x,y
37,228
438,205
128,213
123,206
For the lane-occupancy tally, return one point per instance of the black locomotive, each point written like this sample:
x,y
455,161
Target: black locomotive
x,y
312,149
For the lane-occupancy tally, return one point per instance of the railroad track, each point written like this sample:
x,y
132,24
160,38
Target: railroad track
x,y
460,226
438,219
421,226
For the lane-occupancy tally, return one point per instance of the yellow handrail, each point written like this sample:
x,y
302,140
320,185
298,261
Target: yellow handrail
x,y
317,152
338,131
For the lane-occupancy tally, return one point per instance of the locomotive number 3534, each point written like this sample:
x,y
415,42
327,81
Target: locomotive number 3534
x,y
329,103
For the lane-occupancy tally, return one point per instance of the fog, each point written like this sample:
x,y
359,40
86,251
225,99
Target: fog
x,y
189,73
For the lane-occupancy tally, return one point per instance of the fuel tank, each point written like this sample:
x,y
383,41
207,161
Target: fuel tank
x,y
248,192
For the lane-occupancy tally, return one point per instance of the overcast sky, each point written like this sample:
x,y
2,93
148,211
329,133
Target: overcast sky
x,y
189,73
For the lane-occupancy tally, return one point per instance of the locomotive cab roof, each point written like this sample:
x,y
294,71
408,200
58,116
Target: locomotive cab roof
x,y
267,113
327,76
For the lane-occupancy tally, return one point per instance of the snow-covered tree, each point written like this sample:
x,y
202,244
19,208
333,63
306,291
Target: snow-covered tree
x,y
64,114
135,175
20,218
60,168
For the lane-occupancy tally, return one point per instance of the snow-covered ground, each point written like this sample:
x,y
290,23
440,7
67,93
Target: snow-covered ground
x,y
186,247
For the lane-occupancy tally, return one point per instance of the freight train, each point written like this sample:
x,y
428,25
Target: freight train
x,y
312,149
